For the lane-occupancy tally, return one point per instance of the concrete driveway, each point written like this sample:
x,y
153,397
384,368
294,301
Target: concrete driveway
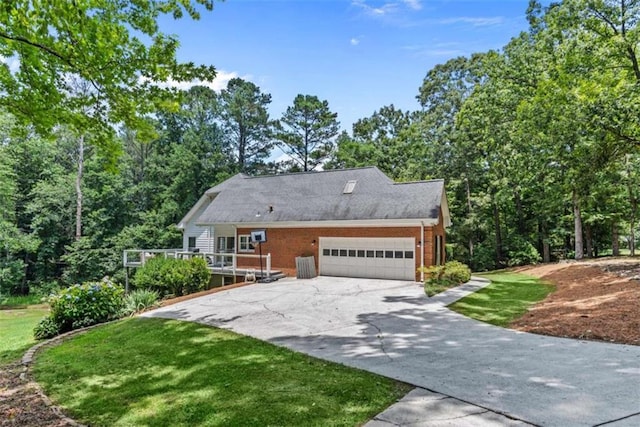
x,y
393,329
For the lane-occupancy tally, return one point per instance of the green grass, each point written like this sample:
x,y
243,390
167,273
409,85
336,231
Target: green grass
x,y
507,298
20,301
156,372
16,330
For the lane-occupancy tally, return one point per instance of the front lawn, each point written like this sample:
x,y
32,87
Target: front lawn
x,y
16,329
507,298
163,372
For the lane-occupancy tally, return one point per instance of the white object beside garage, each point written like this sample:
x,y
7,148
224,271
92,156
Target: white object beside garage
x,y
368,257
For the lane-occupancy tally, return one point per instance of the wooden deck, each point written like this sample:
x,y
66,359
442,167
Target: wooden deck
x,y
224,264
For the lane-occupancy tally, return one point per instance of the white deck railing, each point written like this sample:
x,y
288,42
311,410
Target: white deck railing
x,y
216,261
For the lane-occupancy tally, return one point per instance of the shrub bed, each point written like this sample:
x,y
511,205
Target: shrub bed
x,y
169,276
81,305
439,278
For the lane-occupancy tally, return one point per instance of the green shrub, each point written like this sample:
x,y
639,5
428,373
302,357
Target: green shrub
x,y
140,300
82,305
521,252
47,328
198,276
441,277
173,276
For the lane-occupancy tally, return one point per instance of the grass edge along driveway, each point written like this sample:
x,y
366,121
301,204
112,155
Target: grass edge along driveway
x,y
506,299
165,372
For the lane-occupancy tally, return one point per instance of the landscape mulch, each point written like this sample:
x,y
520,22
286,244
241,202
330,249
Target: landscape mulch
x,y
21,404
594,300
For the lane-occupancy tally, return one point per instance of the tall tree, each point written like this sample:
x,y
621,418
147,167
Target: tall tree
x,y
117,47
389,139
307,132
245,120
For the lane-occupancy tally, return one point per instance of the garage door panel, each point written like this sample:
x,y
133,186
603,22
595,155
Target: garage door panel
x,y
368,257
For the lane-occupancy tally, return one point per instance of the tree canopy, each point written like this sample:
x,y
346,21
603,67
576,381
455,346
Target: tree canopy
x,y
115,49
538,142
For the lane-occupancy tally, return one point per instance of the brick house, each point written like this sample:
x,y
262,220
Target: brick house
x,y
355,222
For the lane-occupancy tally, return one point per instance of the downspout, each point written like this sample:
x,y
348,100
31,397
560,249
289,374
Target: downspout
x,y
422,251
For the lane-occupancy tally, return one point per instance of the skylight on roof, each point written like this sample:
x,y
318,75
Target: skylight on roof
x,y
349,186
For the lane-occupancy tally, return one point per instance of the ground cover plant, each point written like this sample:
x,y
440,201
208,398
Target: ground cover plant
x,y
163,372
140,300
507,298
16,327
439,278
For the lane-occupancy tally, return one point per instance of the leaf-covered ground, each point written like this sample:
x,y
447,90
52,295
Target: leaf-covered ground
x,y
595,300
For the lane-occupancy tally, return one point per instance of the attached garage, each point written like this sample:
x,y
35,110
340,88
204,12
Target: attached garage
x,y
369,257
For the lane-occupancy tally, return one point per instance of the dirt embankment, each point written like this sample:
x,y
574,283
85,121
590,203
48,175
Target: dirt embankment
x,y
597,300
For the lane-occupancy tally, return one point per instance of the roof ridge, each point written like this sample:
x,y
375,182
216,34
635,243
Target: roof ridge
x,y
420,181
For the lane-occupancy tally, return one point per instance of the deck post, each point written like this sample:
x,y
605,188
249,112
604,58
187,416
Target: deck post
x,y
126,280
234,265
269,264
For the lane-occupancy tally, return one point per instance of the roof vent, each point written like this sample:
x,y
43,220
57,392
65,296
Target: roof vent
x,y
348,187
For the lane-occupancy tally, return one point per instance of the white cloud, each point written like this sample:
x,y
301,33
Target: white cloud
x,y
413,4
476,22
217,84
379,11
354,41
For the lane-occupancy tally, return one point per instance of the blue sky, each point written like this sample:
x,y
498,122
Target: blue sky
x,y
359,55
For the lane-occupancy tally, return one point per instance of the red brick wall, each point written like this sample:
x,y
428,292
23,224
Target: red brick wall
x,y
285,244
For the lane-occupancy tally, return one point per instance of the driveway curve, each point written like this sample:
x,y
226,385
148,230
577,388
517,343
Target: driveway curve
x,y
392,328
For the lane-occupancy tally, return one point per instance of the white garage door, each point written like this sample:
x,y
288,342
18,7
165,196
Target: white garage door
x,y
376,258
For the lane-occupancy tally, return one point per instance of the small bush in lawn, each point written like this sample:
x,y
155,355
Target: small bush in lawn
x,y
173,276
441,277
82,305
47,328
140,300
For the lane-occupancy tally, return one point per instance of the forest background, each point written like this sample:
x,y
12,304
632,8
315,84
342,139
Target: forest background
x,y
537,142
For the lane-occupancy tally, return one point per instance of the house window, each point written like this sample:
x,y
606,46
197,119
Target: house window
x,y
245,243
191,245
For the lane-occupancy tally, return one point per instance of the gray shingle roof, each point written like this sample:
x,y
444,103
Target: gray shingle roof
x,y
318,196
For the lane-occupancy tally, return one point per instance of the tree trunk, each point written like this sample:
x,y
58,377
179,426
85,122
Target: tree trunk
x,y
633,201
242,146
469,208
544,243
632,240
79,187
577,223
520,215
496,220
615,239
589,240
